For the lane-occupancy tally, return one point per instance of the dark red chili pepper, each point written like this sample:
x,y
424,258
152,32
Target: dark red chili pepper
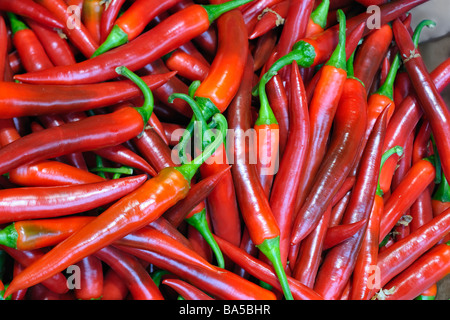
x,y
129,268
114,287
285,184
349,119
20,294
130,213
91,279
220,284
426,270
56,283
371,53
431,101
40,292
44,202
186,290
270,18
32,10
264,47
132,22
148,47
252,11
31,52
393,260
3,47
416,180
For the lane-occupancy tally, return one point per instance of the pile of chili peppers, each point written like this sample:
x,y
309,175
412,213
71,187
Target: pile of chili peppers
x,y
221,150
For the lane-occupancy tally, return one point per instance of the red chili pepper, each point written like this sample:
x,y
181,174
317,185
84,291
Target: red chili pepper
x,y
114,287
367,257
57,48
428,269
132,22
286,182
186,290
30,50
91,17
32,10
148,47
428,294
20,294
108,18
137,278
91,279
339,233
3,47
130,213
20,99
186,65
270,17
252,11
431,101
318,19
44,202
220,284
264,272
264,47
416,180
56,283
340,261
254,205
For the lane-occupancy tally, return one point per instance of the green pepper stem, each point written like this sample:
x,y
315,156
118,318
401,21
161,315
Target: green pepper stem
x,y
200,223
189,169
271,249
320,14
9,236
147,108
394,150
116,37
419,28
387,88
265,115
350,69
157,276
338,57
437,160
216,10
16,23
442,193
121,170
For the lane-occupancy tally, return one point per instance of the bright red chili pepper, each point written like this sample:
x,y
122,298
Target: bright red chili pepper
x,y
339,233
270,18
186,290
431,101
108,18
148,47
130,213
426,270
186,65
32,10
132,22
128,267
416,180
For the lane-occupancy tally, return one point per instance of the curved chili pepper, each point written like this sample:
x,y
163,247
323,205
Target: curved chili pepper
x,y
30,50
368,254
132,22
318,20
91,279
43,202
20,99
339,233
136,54
130,213
186,65
431,101
109,16
254,205
186,290
114,287
32,10
130,269
349,119
57,283
270,18
393,260
286,181
220,284
252,11
428,269
358,208
416,180
371,53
